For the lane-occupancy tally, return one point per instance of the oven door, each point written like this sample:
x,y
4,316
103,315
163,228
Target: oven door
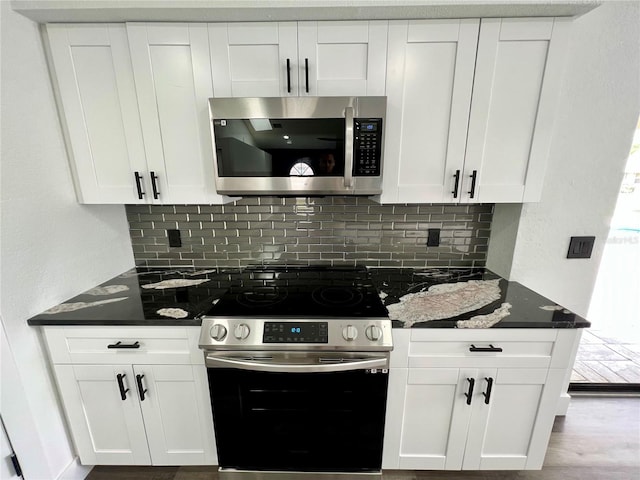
x,y
298,411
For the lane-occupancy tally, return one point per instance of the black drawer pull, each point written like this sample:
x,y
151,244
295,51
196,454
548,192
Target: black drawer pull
x,y
473,176
469,393
141,389
490,348
123,392
138,178
124,345
456,184
487,394
288,76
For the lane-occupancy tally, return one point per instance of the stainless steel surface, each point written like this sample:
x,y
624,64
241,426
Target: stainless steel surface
x,y
231,474
336,336
299,107
348,148
297,362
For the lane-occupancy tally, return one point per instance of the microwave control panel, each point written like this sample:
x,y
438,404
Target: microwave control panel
x,y
367,146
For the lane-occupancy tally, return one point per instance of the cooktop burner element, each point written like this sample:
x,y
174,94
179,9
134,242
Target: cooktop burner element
x,y
262,297
337,296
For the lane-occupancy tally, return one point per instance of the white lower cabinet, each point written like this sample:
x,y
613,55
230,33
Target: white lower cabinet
x,y
134,413
473,410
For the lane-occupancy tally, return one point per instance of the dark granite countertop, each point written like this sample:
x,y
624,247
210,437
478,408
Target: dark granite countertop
x,y
137,297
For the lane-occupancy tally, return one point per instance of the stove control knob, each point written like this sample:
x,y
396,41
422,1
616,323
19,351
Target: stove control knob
x,y
218,332
373,333
349,333
241,331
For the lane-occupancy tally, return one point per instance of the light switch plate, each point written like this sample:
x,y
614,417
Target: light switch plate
x,y
580,247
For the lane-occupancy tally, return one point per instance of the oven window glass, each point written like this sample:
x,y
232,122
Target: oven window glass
x,y
299,421
280,147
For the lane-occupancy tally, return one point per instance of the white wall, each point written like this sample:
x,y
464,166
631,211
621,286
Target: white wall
x,y
597,113
51,249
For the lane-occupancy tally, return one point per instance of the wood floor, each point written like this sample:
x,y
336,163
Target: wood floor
x,y
604,357
599,439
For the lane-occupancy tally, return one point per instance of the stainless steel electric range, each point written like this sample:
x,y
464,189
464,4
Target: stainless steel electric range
x,y
298,369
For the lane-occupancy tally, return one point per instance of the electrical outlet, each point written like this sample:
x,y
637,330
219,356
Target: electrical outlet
x,y
174,238
433,237
580,247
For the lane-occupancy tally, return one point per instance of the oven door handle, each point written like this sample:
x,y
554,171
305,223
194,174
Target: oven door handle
x,y
268,365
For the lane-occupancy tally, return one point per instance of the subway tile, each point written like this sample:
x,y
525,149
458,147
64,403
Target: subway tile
x,y
162,209
455,209
138,208
208,209
430,209
247,216
196,217
186,209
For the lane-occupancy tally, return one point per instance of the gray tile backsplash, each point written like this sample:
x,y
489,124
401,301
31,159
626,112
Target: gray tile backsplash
x,y
337,231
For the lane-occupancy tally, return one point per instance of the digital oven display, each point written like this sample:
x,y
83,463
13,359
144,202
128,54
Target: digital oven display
x,y
368,127
294,332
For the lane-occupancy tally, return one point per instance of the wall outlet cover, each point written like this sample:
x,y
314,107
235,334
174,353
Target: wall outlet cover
x,y
433,237
580,247
174,238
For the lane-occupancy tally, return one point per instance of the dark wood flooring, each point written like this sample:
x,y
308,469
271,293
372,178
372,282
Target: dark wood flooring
x,y
599,439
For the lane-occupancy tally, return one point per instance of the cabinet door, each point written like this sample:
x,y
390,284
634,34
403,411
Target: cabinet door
x,y
342,58
510,429
172,70
436,418
106,429
517,81
429,80
251,59
92,71
177,414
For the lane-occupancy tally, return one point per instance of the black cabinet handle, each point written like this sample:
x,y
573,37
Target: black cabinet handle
x,y
288,76
473,184
141,389
487,394
456,184
469,393
124,345
123,392
306,73
490,348
156,193
139,185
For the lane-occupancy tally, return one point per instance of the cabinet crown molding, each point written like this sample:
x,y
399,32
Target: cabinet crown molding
x,y
43,11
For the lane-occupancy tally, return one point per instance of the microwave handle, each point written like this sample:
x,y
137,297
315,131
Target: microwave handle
x,y
348,148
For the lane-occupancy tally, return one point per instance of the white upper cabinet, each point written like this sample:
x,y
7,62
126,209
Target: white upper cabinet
x,y
429,80
254,59
515,91
172,71
298,58
471,122
91,67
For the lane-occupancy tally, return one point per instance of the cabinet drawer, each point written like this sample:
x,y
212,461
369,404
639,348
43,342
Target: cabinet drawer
x,y
481,348
124,345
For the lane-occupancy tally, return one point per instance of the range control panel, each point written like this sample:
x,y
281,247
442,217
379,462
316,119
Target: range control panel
x,y
367,146
291,332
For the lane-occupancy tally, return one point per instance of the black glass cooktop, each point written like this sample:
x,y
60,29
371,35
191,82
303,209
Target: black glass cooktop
x,y
290,292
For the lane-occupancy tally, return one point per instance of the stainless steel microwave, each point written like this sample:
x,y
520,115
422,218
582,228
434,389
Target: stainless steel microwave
x,y
299,146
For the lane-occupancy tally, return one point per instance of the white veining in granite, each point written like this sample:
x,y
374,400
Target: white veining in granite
x,y
173,312
175,283
486,321
70,307
444,301
107,290
200,272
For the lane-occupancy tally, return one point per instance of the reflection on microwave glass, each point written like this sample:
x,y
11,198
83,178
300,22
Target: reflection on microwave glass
x,y
280,147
